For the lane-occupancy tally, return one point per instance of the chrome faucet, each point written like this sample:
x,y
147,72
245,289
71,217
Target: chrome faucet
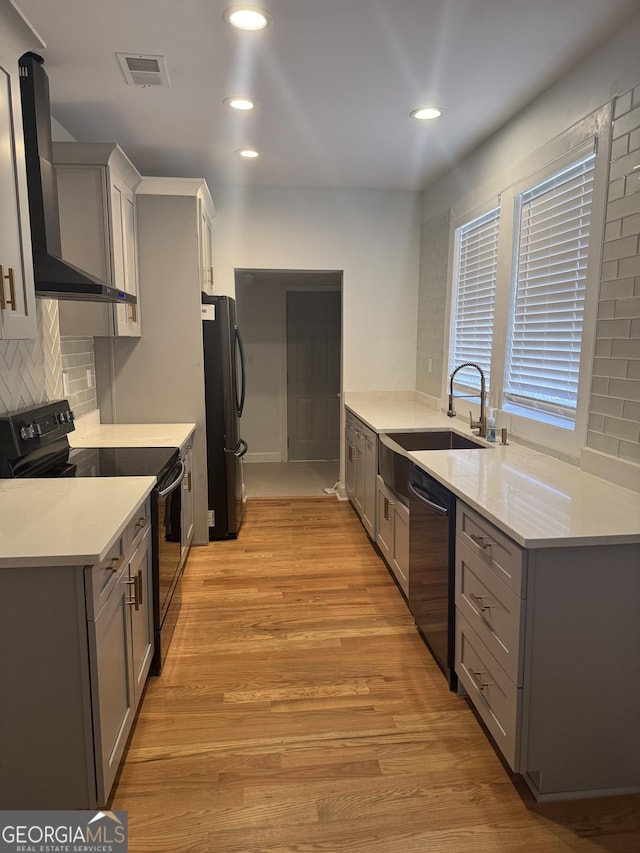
x,y
480,425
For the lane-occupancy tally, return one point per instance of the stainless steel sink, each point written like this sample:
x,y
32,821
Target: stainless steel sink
x,y
393,464
436,440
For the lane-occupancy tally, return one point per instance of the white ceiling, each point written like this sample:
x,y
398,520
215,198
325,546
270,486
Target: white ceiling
x,y
335,81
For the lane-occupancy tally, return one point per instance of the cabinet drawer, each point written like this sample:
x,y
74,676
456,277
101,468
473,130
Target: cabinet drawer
x,y
494,611
137,527
496,698
100,579
499,553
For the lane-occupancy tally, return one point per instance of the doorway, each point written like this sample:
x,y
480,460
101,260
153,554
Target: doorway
x,y
313,320
283,437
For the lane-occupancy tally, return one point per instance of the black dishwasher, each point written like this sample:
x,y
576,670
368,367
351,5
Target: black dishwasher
x,y
432,523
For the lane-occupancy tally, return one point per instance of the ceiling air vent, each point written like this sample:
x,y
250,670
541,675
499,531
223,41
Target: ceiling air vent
x,y
144,69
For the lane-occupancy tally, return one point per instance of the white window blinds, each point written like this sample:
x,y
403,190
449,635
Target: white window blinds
x,y
476,251
545,335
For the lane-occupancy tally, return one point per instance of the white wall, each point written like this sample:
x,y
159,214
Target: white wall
x,y
372,236
608,74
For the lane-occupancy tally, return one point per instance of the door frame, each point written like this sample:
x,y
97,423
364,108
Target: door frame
x,y
313,288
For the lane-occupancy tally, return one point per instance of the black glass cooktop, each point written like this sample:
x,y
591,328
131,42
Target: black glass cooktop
x,y
103,462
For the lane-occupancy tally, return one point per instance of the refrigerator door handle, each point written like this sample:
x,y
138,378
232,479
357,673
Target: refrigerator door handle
x,y
240,401
241,449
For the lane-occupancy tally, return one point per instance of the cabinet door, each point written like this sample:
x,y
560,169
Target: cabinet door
x,y
140,606
401,545
112,689
384,527
125,257
351,452
17,294
369,473
187,503
206,249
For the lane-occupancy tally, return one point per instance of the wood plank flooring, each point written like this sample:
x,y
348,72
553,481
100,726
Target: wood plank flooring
x,y
300,711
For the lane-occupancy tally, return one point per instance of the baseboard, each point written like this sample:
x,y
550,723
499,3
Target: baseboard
x,y
262,457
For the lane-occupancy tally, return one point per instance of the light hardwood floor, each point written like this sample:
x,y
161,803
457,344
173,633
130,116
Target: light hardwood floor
x,y
299,711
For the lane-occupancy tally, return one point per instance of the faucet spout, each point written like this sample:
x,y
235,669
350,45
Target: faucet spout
x,y
481,424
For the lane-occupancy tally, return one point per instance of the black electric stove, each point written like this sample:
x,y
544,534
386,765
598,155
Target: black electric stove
x,y
34,444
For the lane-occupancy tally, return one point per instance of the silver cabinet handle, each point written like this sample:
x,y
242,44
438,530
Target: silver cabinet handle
x,y
479,541
478,600
116,563
480,684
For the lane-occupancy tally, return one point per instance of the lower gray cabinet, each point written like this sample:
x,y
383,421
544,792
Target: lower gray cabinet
x,y
76,643
392,535
121,648
361,468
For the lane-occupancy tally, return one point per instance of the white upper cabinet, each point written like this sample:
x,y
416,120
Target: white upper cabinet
x,y
17,292
206,239
96,196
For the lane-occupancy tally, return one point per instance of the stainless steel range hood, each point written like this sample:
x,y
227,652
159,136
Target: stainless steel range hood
x,y
55,278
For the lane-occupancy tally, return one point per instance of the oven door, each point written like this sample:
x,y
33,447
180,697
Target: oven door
x,y
168,549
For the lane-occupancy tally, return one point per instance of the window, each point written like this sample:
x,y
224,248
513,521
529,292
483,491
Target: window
x,y
544,336
476,249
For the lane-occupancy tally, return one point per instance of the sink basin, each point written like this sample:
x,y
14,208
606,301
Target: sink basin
x,y
436,440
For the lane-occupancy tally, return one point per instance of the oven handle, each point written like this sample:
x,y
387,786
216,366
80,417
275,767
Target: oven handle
x,y
420,493
172,486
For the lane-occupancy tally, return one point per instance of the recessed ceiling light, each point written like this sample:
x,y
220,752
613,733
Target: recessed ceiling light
x,y
248,153
240,103
247,17
426,113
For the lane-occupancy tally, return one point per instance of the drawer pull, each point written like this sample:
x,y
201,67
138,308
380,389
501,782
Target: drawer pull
x,y
142,522
480,684
116,563
479,541
478,600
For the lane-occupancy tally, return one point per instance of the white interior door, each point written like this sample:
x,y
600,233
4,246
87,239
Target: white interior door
x,y
313,374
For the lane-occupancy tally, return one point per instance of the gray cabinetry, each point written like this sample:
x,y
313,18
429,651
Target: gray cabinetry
x,y
361,444
187,500
96,194
543,642
85,636
392,533
17,292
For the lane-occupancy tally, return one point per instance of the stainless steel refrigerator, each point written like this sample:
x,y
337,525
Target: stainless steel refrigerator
x,y
224,389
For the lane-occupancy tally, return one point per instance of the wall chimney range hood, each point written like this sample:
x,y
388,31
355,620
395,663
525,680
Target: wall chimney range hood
x,y
55,278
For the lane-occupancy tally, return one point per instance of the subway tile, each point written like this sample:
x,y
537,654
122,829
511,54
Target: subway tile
x,y
610,367
634,140
623,165
629,267
606,309
620,288
613,328
629,450
634,332
617,189
631,411
596,423
627,348
620,147
604,348
606,405
613,230
628,205
633,369
600,386
609,271
622,105
628,307
625,247
603,443
620,428
626,123
624,389
630,225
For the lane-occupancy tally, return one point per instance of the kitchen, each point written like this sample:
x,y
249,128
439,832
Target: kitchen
x,y
337,228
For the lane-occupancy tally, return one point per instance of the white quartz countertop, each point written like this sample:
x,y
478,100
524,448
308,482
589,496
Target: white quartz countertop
x,y
132,435
65,521
537,500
